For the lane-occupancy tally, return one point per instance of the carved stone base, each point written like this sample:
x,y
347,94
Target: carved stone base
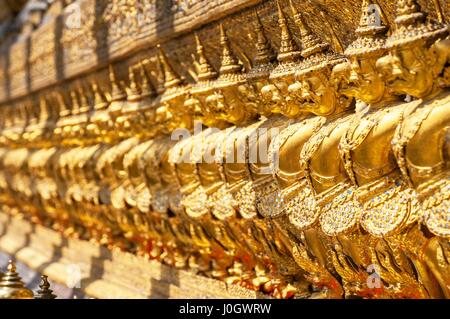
x,y
104,273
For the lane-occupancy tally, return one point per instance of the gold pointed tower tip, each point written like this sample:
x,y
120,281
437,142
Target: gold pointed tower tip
x,y
371,32
133,90
84,104
44,292
311,43
171,78
147,88
11,285
264,51
317,54
44,108
11,268
288,48
63,109
229,63
205,69
100,101
412,25
75,102
265,57
117,92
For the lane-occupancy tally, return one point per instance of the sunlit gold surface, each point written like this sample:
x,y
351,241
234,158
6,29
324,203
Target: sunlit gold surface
x,y
343,145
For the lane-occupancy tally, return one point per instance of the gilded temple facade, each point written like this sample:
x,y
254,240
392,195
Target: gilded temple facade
x,y
247,148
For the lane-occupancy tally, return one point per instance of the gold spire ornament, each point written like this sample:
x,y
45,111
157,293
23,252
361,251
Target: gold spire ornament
x,y
171,78
276,95
130,121
63,108
118,95
100,101
265,57
412,25
44,109
263,64
371,34
205,71
75,103
229,64
98,126
310,42
63,114
11,285
133,90
148,102
288,50
199,91
173,97
316,53
312,88
147,89
44,291
84,103
228,102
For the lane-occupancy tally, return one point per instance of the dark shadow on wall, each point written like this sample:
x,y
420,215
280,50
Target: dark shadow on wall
x,y
97,267
27,64
59,53
160,288
164,17
6,52
100,31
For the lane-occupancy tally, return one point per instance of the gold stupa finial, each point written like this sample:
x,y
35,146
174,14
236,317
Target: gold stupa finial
x,y
204,68
44,292
133,91
412,25
7,118
160,77
265,58
23,116
171,78
84,104
117,92
371,21
19,114
147,88
317,54
44,108
11,285
371,32
75,102
100,101
310,42
264,51
408,11
229,62
11,268
63,109
288,48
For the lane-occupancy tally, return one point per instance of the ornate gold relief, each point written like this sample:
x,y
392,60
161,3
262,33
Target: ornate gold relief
x,y
310,169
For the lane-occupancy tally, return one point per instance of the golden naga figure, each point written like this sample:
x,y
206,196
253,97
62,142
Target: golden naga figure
x,y
281,150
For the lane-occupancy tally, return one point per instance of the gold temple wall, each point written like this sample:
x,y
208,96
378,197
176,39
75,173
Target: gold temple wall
x,y
55,53
350,198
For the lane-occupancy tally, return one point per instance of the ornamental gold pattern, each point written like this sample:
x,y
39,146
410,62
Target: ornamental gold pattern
x,y
286,163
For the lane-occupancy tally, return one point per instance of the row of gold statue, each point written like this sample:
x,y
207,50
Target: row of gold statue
x,y
338,183
12,286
